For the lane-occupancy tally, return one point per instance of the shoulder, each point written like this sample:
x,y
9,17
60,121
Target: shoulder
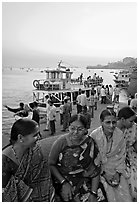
x,y
96,134
60,143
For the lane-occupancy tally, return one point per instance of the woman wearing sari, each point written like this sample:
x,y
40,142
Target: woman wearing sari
x,y
112,148
126,124
24,173
72,163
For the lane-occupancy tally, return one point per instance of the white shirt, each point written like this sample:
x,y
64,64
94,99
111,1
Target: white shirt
x,y
52,113
61,109
78,99
116,91
102,92
83,100
111,91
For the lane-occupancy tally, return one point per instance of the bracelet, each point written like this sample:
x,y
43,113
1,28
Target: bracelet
x,y
63,181
93,193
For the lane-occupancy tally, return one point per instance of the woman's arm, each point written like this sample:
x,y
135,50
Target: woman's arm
x,y
66,190
94,187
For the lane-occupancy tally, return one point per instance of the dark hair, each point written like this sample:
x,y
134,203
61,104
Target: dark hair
x,y
80,118
23,127
21,104
35,104
65,100
126,112
105,113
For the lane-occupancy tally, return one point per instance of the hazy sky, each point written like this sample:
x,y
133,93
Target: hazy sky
x,y
41,34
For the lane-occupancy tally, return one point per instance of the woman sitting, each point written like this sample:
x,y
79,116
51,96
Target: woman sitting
x,y
112,148
126,124
72,164
24,173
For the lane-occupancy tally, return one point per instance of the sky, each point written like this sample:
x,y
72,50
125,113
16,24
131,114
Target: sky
x,y
41,34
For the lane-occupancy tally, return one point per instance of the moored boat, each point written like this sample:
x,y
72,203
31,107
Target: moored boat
x,y
58,84
122,79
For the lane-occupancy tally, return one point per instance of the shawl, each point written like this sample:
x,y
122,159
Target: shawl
x,y
115,159
30,180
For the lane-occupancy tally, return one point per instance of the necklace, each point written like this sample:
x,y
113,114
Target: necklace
x,y
15,155
109,145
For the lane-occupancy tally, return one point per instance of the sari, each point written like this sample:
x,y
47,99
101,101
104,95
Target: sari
x,y
31,182
113,162
76,164
131,158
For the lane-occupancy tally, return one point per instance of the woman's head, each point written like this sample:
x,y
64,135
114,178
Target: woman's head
x,y
126,117
24,131
108,121
77,127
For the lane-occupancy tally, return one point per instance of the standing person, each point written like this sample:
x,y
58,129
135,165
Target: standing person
x,y
36,112
87,116
52,117
103,95
15,110
70,104
47,98
72,163
126,117
95,99
116,94
98,90
61,112
133,103
107,94
112,148
25,174
78,101
84,101
66,115
91,104
110,92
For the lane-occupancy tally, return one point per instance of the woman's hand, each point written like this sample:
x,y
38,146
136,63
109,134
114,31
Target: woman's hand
x,y
112,180
92,198
66,192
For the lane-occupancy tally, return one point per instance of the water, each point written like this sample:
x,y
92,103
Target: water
x,y
17,86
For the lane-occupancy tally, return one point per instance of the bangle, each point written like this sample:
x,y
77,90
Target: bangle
x,y
93,193
63,181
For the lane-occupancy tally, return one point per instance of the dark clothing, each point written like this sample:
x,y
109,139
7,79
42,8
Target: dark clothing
x,y
91,109
103,99
36,116
52,126
15,110
79,108
73,167
66,115
61,118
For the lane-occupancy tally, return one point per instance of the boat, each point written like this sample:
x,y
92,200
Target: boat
x,y
58,84
122,78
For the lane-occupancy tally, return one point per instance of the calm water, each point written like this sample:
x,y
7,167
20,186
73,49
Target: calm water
x,y
17,86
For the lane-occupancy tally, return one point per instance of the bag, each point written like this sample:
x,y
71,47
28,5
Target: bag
x,y
16,191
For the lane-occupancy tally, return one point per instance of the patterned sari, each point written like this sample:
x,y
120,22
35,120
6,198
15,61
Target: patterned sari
x,y
113,162
76,164
131,158
31,182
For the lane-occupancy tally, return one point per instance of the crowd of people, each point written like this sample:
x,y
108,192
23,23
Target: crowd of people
x,y
82,166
